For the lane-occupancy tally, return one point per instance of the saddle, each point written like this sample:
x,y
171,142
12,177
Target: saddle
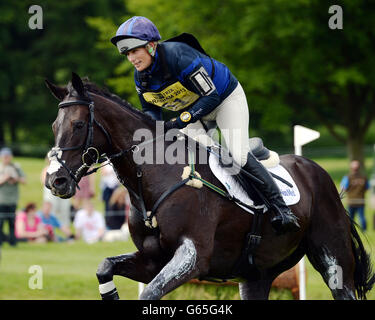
x,y
246,195
238,183
258,149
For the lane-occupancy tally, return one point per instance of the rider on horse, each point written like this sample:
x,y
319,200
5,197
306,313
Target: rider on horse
x,y
174,76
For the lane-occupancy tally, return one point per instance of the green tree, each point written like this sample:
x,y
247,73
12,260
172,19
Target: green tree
x,y
317,73
293,67
65,44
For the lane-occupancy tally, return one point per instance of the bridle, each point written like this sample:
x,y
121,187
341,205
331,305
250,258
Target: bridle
x,y
90,154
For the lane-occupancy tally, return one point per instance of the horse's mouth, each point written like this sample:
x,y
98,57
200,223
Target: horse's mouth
x,y
64,188
66,195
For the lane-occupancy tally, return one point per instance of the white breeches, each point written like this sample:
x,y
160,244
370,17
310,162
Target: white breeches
x,y
232,118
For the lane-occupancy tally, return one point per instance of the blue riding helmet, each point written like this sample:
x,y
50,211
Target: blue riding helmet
x,y
134,33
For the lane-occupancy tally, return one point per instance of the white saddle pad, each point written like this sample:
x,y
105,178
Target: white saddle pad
x,y
291,195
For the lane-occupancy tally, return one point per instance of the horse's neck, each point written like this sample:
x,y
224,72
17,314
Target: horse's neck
x,y
122,123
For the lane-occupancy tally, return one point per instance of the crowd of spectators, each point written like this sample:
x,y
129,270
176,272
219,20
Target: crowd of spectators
x,y
61,220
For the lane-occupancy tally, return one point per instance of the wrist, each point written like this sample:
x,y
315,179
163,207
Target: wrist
x,y
169,125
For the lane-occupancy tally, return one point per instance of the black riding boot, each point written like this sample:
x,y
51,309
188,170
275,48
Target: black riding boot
x,y
285,220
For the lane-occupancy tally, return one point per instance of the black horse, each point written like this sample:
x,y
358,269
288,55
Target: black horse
x,y
199,233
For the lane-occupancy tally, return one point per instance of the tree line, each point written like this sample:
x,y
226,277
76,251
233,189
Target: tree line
x,y
293,67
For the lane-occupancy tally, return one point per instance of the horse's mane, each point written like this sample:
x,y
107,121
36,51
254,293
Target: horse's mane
x,y
104,92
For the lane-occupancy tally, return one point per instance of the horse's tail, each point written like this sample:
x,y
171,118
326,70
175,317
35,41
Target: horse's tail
x,y
364,278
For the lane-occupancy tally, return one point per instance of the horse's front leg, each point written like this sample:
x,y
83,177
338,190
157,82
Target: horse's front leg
x,y
135,266
180,269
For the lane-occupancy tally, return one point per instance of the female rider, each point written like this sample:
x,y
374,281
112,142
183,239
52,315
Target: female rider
x,y
174,76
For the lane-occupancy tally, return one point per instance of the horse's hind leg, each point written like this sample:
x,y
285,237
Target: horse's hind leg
x,y
255,290
181,268
135,266
336,274
330,252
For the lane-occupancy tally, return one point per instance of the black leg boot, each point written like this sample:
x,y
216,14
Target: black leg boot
x,y
284,221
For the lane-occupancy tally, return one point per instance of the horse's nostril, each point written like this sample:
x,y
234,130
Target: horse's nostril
x,y
59,182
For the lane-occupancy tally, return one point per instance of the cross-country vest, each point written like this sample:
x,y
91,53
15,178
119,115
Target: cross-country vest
x,y
183,79
173,95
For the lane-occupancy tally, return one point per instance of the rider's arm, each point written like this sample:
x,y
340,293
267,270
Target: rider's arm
x,y
196,75
204,105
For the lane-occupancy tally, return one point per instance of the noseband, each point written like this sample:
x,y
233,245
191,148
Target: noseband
x,y
90,154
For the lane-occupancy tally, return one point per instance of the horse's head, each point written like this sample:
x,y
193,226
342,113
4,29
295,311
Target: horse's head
x,y
76,145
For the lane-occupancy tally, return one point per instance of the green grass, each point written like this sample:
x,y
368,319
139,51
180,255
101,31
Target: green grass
x,y
69,269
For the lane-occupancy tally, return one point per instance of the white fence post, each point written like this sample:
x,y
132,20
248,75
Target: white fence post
x,y
303,136
141,287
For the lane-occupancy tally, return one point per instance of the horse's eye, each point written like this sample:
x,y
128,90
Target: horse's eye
x,y
77,125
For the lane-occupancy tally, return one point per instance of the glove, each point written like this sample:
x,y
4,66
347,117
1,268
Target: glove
x,y
170,125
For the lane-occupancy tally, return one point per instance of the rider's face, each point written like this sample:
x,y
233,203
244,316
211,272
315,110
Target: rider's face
x,y
140,58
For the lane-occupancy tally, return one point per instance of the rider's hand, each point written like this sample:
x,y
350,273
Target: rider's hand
x,y
172,124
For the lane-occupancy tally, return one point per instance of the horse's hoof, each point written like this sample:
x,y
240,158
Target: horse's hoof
x,y
112,295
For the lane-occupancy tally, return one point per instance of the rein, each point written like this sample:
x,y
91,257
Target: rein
x,y
91,156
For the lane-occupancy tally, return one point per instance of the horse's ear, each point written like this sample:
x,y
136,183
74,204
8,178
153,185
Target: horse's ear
x,y
58,92
78,84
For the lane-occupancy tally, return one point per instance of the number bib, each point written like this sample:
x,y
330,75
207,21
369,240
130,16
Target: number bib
x,y
174,97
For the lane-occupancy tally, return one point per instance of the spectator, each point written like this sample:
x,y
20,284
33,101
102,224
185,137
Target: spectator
x,y
118,209
89,224
11,175
29,226
60,207
85,192
356,184
108,184
51,223
116,219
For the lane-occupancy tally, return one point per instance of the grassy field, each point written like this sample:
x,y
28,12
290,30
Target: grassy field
x,y
69,269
